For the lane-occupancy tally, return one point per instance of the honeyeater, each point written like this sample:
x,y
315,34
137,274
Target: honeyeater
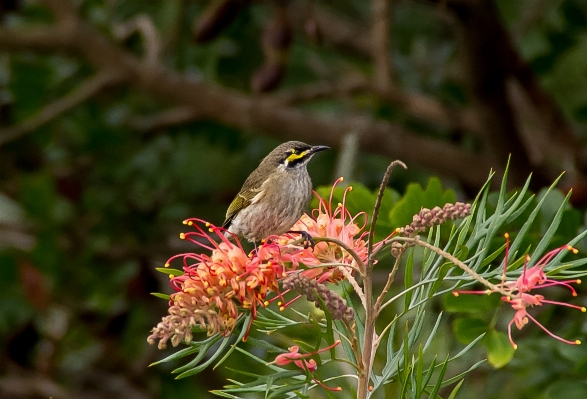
x,y
275,195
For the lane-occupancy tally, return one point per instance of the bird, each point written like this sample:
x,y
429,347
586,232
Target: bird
x,y
275,195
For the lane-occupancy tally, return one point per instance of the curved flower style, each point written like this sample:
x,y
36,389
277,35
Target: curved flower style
x,y
214,288
331,222
518,295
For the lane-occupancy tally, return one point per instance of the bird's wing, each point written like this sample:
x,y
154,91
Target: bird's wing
x,y
241,201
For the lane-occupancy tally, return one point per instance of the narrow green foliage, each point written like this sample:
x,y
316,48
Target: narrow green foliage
x,y
169,271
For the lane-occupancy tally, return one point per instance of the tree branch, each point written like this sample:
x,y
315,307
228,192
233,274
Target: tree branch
x,y
144,25
246,112
346,34
172,117
381,45
36,39
86,90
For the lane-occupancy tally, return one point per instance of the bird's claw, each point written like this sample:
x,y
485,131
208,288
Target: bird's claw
x,y
308,241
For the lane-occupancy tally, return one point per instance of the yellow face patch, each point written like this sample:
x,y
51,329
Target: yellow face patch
x,y
295,156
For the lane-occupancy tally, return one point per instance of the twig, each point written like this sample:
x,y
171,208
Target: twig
x,y
172,117
86,90
390,279
142,23
355,345
354,284
461,265
381,45
382,187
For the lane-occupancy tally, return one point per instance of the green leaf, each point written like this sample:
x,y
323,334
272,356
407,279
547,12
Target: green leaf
x,y
456,389
499,349
466,329
470,303
159,295
417,198
169,271
567,389
239,338
408,280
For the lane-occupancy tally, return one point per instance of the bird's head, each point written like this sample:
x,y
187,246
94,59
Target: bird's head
x,y
294,154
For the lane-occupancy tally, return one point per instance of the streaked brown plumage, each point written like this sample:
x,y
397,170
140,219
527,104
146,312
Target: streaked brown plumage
x,y
275,194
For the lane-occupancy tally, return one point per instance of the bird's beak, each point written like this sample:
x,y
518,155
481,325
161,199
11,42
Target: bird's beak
x,y
317,148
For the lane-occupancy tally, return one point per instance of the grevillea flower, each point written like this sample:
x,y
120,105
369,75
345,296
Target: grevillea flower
x,y
299,360
428,218
332,222
518,291
215,288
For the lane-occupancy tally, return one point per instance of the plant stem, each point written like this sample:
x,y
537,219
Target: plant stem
x,y
370,311
461,265
390,279
375,215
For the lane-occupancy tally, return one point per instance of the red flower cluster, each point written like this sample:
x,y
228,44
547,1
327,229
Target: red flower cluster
x,y
214,288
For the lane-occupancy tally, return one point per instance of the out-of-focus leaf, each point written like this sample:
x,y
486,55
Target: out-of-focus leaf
x,y
499,349
466,329
470,303
417,198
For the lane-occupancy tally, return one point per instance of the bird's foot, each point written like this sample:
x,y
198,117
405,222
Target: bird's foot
x,y
308,241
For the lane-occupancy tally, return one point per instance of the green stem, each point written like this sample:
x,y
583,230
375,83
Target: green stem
x,y
370,311
416,240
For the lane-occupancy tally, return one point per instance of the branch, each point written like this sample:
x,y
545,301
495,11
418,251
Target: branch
x,y
388,283
416,240
335,30
86,90
232,108
381,45
349,35
344,86
172,117
144,25
432,110
36,39
380,193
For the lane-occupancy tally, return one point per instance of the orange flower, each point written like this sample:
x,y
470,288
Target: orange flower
x,y
331,222
215,289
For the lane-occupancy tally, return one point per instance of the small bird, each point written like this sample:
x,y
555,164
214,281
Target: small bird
x,y
275,195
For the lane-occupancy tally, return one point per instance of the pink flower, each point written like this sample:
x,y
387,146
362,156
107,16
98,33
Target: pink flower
x,y
294,356
520,299
299,360
332,222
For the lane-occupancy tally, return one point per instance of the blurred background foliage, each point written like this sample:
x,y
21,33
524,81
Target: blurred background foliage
x,y
121,118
